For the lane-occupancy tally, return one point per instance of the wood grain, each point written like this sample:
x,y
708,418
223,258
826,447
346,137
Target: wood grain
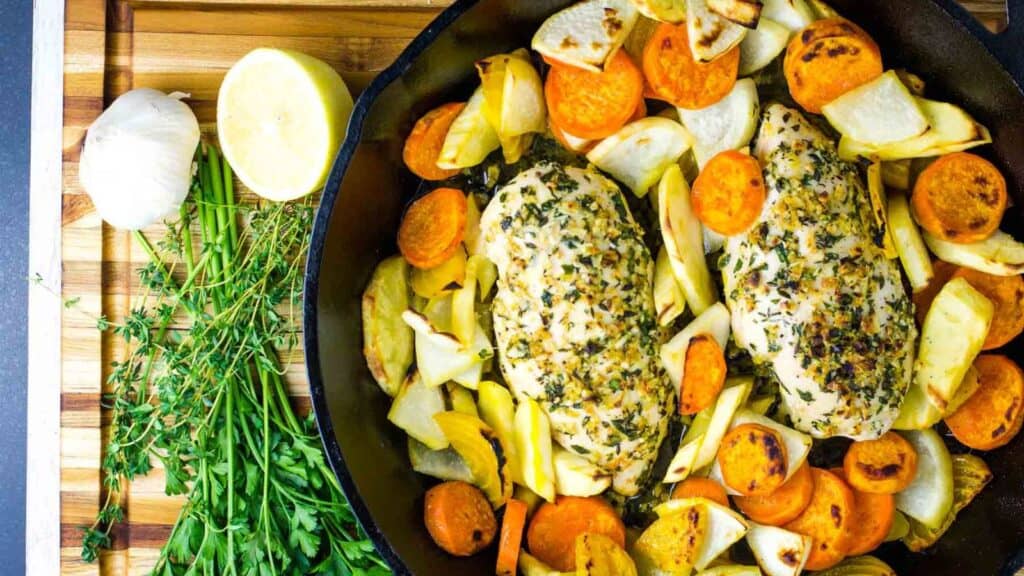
x,y
187,45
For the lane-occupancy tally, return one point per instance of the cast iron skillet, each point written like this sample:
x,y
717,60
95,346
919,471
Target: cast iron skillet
x,y
368,186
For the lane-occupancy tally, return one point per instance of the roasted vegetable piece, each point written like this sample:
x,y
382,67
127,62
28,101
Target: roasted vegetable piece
x,y
970,475
832,63
724,527
577,476
728,124
1007,295
669,301
900,527
671,544
878,112
731,570
414,408
924,297
684,240
638,154
999,254
762,45
746,13
908,243
782,505
674,75
729,193
729,401
586,34
960,197
483,452
447,276
885,465
513,98
661,11
753,460
387,340
553,530
930,496
599,555
873,519
696,487
711,36
992,416
512,527
442,464
704,376
828,520
859,566
497,410
531,566
879,210
533,444
793,14
470,138
459,518
424,143
594,104
778,551
433,227
798,444
713,322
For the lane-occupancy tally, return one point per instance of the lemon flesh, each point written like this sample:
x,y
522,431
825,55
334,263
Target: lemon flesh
x,y
281,117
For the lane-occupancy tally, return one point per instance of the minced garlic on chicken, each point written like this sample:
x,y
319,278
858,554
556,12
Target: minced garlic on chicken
x,y
574,315
811,294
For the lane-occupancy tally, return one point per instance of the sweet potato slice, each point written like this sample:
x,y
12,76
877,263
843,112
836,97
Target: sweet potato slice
x,y
992,416
433,227
784,504
674,75
960,197
885,465
830,64
753,460
828,520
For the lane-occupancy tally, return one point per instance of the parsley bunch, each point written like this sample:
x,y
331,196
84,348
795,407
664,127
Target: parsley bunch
x,y
208,401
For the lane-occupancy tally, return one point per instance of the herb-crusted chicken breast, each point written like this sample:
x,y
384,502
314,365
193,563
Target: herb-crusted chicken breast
x,y
574,315
811,294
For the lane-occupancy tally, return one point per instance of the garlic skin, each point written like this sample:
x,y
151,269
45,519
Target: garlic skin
x,y
137,162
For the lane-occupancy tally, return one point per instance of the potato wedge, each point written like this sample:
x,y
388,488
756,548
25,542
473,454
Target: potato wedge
x,y
734,395
673,11
681,466
968,386
999,254
599,555
917,263
728,124
762,45
669,301
497,410
471,138
793,14
880,112
463,320
713,321
916,412
413,410
710,35
951,337
798,444
970,476
952,130
640,152
387,340
534,446
432,282
513,94
779,552
440,356
746,13
482,451
684,240
442,464
930,496
725,527
671,545
576,476
879,210
587,33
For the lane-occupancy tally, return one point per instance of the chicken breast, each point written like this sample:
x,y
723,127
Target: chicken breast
x,y
811,294
574,316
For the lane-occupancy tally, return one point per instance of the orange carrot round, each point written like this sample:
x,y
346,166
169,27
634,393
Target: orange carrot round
x,y
703,376
873,519
511,537
590,104
553,530
423,146
829,65
993,415
1007,295
433,227
674,75
923,298
960,197
784,504
828,520
885,465
753,460
459,518
729,193
697,487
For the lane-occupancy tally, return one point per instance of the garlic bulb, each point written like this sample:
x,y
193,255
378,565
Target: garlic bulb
x,y
137,162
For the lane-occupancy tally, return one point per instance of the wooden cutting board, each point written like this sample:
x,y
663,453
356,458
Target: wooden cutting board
x,y
112,46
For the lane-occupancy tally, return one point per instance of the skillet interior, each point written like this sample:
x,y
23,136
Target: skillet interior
x,y
368,187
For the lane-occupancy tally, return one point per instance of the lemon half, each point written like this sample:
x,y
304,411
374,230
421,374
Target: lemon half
x,y
281,117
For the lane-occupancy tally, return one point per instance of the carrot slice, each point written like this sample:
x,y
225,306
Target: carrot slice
x,y
433,227
729,192
828,520
872,521
590,104
885,465
993,415
960,197
554,528
923,298
583,145
424,143
697,487
784,504
511,538
753,460
703,376
674,75
459,518
820,71
1007,294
